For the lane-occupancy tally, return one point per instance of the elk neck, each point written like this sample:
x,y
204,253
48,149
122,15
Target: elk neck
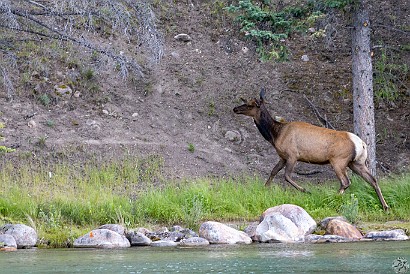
x,y
266,125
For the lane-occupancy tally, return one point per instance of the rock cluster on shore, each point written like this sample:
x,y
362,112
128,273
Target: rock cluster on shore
x,y
283,223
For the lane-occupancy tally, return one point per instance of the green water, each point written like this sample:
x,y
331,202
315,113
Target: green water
x,y
366,257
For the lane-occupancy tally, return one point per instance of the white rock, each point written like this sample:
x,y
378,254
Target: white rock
x,y
218,233
183,37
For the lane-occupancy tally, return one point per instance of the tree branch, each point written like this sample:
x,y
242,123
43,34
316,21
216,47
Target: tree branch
x,y
317,113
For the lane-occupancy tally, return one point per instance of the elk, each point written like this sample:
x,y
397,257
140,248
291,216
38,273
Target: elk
x,y
299,141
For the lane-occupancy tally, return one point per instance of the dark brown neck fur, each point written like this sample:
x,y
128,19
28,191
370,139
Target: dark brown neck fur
x,y
268,127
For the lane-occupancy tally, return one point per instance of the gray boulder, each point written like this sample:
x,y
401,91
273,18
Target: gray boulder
x,y
393,235
218,233
114,227
102,238
163,243
7,242
138,239
194,241
276,227
284,223
312,238
296,214
25,236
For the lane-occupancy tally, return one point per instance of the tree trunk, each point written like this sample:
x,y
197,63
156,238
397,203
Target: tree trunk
x,y
363,106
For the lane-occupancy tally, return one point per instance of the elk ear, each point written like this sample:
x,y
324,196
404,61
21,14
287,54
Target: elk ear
x,y
262,94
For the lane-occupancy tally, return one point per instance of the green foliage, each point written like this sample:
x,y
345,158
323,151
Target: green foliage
x,y
350,209
191,148
269,25
44,99
4,150
390,74
64,200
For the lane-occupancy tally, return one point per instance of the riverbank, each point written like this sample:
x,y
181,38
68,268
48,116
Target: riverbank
x,y
63,201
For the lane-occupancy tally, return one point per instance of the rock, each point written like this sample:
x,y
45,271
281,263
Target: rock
x,y
176,234
77,94
251,230
233,136
323,223
114,227
138,239
183,37
296,214
25,236
276,227
394,235
7,241
63,90
218,233
102,238
342,228
312,238
32,124
194,241
304,58
163,243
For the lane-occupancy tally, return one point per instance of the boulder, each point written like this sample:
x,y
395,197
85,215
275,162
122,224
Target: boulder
x,y
251,230
176,234
342,228
276,227
7,242
323,223
296,214
102,238
393,235
25,236
218,233
312,238
138,239
162,243
194,241
114,227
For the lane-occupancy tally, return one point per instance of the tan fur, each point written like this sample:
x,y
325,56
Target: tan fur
x,y
299,141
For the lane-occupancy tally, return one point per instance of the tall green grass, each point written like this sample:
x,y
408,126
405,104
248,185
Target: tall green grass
x,y
63,201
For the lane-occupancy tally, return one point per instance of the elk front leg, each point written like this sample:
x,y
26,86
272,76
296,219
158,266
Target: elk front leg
x,y
275,171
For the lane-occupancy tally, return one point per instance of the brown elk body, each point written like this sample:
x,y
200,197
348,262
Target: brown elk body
x,y
299,141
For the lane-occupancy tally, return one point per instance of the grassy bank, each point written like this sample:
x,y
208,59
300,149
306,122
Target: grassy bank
x,y
64,201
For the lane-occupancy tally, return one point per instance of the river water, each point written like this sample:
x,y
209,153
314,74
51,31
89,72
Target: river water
x,y
361,257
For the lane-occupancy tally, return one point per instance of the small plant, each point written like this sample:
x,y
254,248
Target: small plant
x,y
191,148
44,99
41,142
50,123
4,150
2,125
211,110
88,74
350,209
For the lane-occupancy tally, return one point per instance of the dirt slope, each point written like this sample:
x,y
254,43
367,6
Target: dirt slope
x,y
182,110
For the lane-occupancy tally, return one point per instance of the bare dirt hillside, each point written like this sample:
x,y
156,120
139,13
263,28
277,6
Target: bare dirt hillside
x,y
181,111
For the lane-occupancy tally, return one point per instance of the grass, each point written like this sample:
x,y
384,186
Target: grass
x,y
65,201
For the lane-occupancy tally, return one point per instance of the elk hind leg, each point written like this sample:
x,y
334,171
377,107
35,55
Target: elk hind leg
x,y
363,171
342,176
